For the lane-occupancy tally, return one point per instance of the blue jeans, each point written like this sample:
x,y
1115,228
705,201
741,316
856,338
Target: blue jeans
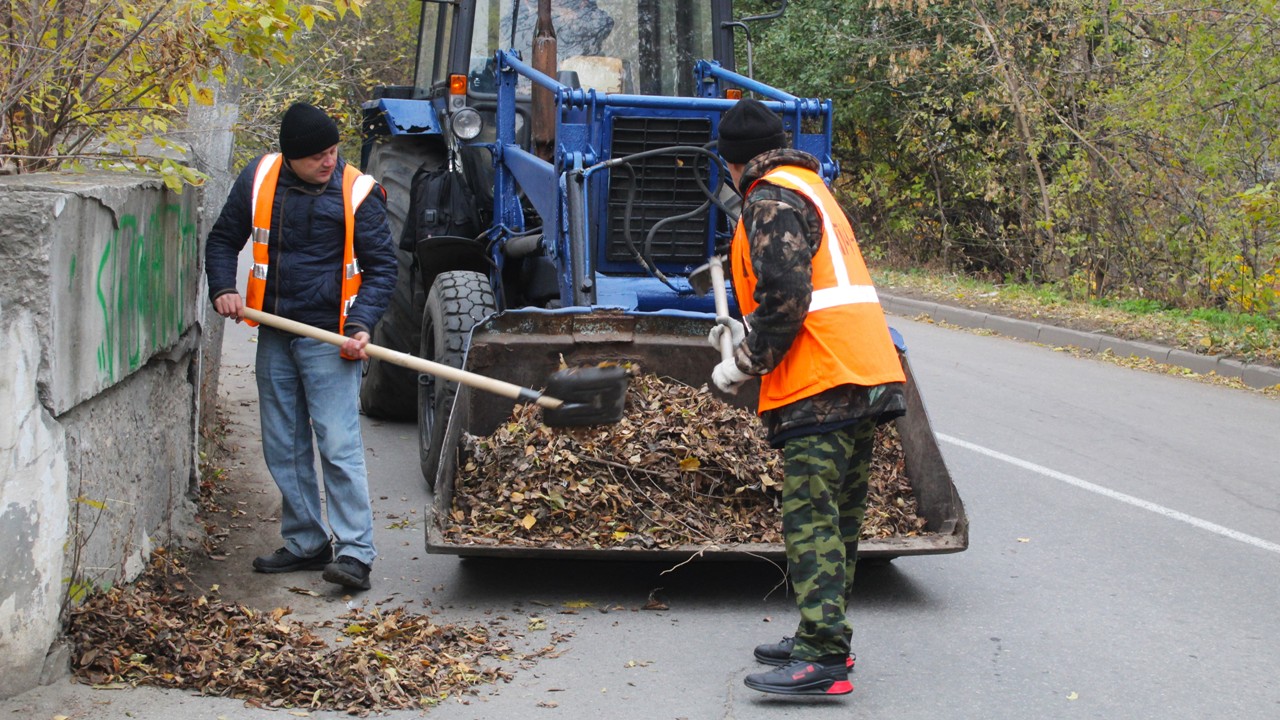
x,y
305,387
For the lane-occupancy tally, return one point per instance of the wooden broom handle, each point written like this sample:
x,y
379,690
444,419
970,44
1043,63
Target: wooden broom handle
x,y
448,372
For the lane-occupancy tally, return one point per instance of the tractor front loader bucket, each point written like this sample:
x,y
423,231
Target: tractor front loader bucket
x,y
524,347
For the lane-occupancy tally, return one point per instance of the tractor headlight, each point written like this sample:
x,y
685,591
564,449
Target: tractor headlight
x,y
467,124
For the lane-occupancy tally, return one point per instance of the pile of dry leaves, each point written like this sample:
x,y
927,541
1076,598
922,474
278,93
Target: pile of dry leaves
x,y
155,633
682,468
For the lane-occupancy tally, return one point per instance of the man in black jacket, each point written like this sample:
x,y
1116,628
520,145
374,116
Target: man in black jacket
x,y
323,256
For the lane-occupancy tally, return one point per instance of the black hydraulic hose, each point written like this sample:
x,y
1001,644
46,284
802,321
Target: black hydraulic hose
x,y
673,150
712,198
626,232
711,194
643,154
648,240
508,240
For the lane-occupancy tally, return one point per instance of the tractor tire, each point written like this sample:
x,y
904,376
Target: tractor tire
x,y
457,300
388,391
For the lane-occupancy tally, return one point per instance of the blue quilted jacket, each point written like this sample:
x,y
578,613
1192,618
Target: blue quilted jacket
x,y
307,236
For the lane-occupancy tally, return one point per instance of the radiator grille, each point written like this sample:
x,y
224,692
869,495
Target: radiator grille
x,y
665,186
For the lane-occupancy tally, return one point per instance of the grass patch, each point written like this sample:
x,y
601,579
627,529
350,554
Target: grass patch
x,y
1241,336
1136,306
1243,321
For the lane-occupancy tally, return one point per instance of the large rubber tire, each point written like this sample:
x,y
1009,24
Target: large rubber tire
x,y
457,300
388,391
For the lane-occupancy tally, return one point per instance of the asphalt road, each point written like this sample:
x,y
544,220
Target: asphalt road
x,y
1124,563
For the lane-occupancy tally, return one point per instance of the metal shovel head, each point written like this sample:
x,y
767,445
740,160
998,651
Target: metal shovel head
x,y
591,396
700,279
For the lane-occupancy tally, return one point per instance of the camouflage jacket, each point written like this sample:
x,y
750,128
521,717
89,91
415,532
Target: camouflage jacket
x,y
783,230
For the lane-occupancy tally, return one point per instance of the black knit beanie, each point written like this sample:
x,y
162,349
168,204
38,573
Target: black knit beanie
x,y
306,130
748,129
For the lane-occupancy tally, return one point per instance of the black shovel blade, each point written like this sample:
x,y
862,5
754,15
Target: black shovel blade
x,y
591,395
700,280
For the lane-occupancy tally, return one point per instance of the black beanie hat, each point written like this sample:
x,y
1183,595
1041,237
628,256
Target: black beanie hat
x,y
306,130
748,129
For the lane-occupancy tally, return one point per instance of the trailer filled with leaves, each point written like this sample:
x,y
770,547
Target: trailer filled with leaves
x,y
682,469
684,473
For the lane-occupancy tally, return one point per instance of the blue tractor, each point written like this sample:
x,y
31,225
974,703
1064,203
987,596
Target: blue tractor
x,y
553,184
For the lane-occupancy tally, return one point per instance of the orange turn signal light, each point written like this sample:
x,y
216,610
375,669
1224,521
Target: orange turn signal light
x,y
733,94
457,84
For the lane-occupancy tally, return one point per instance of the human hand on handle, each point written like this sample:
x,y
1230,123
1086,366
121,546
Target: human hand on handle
x,y
230,305
353,348
728,377
725,323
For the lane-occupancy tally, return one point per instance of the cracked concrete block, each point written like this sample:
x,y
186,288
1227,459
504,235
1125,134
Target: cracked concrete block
x,y
33,509
108,265
99,339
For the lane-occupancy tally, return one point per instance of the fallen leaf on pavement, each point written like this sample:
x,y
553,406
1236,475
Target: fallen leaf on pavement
x,y
150,633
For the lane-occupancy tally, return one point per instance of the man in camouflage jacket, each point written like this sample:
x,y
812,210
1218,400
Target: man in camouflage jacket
x,y
826,433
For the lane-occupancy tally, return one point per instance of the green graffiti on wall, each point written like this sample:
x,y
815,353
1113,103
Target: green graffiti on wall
x,y
144,277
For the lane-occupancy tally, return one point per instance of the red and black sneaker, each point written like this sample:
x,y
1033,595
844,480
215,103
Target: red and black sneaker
x,y
803,677
779,653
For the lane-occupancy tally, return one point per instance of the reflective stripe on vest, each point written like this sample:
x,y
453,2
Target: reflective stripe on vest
x,y
845,291
356,186
844,339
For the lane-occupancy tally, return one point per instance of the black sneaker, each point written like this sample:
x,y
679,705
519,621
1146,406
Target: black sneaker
x,y
348,572
283,561
779,653
803,677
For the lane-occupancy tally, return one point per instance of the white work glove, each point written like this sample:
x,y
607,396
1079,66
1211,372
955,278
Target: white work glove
x,y
728,377
736,331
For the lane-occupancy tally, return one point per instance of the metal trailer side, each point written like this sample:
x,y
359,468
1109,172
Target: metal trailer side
x,y
525,347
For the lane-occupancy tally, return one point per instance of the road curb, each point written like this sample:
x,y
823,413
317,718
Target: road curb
x,y
1251,374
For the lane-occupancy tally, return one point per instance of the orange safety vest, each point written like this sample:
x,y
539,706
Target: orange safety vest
x,y
845,339
356,186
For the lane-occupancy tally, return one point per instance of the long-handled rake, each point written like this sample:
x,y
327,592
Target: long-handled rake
x,y
574,397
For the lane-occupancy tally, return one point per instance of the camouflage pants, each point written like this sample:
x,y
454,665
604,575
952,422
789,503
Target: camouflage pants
x,y
824,498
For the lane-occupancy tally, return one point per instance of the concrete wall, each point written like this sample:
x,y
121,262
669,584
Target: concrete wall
x,y
209,140
33,508
100,307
